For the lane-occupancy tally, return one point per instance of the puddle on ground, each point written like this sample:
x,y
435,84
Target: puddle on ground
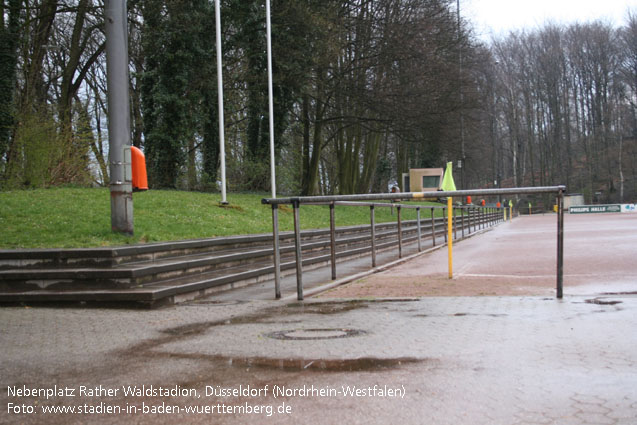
x,y
363,364
599,301
331,365
276,315
189,329
620,293
462,315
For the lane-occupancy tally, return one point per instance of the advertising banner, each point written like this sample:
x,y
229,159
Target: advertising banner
x,y
588,209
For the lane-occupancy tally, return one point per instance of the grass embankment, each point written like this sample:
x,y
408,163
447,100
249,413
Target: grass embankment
x,y
76,217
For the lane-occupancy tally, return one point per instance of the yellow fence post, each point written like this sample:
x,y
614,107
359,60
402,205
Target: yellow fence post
x,y
449,235
449,185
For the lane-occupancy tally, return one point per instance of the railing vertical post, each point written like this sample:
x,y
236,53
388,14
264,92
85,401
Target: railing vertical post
x,y
418,226
433,227
462,220
560,243
297,245
332,241
400,234
373,226
450,221
277,253
454,223
480,218
444,220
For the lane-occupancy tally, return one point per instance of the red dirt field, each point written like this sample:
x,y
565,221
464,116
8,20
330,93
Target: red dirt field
x,y
518,258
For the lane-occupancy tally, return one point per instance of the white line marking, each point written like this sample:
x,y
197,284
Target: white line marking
x,y
514,276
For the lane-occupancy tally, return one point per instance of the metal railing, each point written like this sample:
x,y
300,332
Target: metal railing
x,y
355,200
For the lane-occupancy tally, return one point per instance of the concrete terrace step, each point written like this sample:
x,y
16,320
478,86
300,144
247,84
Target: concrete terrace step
x,y
113,256
195,285
149,273
135,274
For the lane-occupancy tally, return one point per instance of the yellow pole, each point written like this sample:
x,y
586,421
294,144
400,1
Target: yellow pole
x,y
449,235
510,213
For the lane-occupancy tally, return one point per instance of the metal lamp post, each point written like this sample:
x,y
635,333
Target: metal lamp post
x,y
222,143
121,187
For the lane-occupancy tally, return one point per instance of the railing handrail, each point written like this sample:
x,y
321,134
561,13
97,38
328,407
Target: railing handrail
x,y
413,195
355,200
390,205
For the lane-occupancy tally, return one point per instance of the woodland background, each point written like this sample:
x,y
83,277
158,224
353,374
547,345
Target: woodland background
x,y
363,91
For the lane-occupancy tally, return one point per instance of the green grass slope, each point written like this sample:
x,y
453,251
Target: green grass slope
x,y
80,217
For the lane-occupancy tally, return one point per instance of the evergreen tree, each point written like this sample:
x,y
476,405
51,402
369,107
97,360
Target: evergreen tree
x,y
9,37
292,32
179,57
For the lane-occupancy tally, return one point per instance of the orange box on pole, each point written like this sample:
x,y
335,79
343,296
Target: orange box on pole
x,y
138,163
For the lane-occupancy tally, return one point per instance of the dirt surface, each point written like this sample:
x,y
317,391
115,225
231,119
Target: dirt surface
x,y
518,257
387,284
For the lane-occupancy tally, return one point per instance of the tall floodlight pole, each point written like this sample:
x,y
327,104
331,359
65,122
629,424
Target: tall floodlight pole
x,y
462,153
270,96
222,143
120,184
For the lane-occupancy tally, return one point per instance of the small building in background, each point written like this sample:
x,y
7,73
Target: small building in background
x,y
573,200
422,180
